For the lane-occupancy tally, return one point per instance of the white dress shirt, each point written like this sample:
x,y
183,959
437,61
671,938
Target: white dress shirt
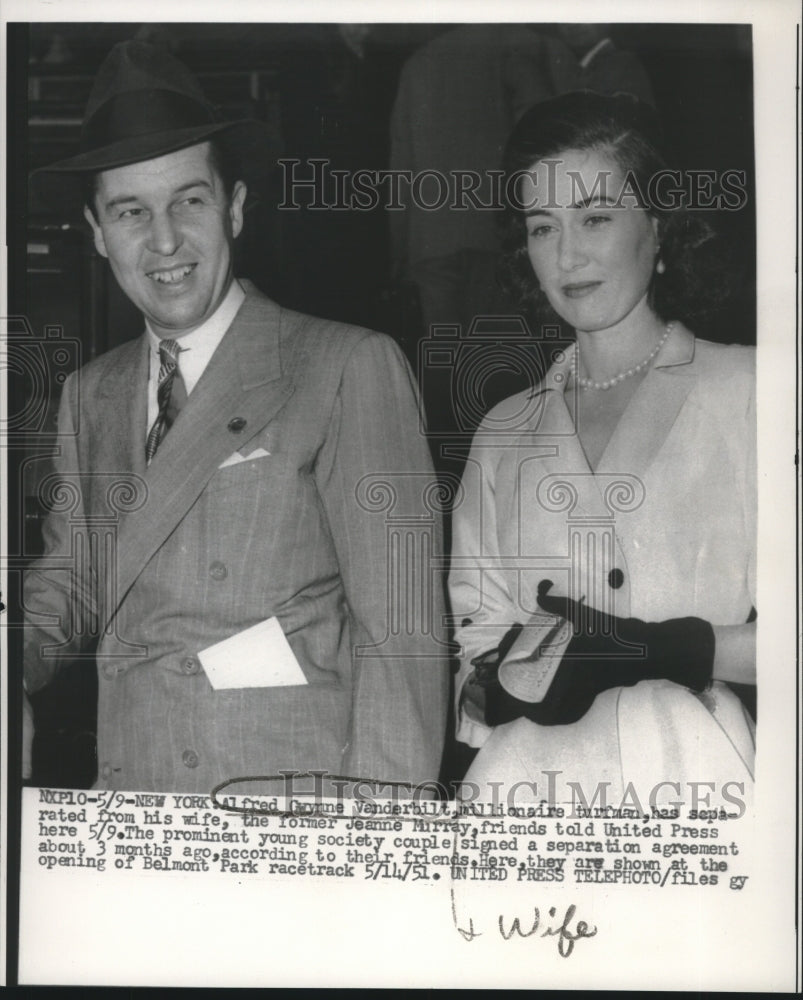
x,y
197,347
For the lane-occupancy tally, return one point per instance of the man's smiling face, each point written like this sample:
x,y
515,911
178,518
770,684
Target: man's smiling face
x,y
167,227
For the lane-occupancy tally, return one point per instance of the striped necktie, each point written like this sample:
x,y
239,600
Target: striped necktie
x,y
171,395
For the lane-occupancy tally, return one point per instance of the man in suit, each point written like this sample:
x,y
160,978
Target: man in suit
x,y
250,464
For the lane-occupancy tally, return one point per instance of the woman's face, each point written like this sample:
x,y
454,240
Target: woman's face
x,y
592,248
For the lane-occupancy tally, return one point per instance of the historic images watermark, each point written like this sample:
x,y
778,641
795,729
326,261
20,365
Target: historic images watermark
x,y
315,185
548,793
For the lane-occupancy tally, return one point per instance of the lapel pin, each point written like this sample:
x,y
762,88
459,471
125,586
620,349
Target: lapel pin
x,y
236,424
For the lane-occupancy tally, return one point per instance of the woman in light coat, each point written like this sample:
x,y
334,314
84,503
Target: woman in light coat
x,y
603,575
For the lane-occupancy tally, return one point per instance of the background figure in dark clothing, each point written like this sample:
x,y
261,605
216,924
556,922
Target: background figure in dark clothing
x,y
599,64
459,96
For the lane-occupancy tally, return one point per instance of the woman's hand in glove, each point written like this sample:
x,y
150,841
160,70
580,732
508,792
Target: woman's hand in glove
x,y
607,652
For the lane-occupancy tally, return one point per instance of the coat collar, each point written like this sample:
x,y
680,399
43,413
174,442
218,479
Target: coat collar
x,y
642,429
257,345
677,351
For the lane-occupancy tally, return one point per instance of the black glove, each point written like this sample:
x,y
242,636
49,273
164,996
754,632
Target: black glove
x,y
607,652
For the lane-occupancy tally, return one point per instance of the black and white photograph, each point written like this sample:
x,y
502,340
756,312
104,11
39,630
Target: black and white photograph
x,y
399,561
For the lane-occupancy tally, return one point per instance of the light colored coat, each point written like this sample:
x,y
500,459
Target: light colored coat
x,y
671,504
202,550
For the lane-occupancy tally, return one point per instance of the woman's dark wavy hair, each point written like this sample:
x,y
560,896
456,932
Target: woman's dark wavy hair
x,y
695,280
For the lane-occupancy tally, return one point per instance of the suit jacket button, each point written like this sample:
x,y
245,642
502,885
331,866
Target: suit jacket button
x,y
616,578
236,424
218,571
106,771
190,665
189,758
110,671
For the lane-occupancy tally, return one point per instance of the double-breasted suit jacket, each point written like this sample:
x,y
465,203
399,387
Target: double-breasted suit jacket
x,y
163,561
664,527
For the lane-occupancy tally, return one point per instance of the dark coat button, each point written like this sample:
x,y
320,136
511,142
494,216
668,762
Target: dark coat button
x,y
616,578
189,758
218,571
236,424
190,665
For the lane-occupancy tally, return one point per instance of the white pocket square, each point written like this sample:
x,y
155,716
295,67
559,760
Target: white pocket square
x,y
239,457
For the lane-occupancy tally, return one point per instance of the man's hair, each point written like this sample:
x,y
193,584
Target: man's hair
x,y
221,156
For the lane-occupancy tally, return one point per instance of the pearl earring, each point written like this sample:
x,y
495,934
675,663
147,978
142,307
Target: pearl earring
x,y
660,267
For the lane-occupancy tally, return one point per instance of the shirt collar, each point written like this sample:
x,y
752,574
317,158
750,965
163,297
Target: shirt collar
x,y
205,338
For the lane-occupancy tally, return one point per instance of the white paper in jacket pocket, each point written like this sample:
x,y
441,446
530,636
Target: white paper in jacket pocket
x,y
259,656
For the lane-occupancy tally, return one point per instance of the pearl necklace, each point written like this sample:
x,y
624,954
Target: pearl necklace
x,y
587,383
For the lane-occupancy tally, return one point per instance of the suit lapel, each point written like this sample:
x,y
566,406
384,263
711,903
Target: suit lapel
x,y
122,398
244,385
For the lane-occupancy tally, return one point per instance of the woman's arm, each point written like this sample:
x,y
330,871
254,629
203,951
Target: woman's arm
x,y
735,654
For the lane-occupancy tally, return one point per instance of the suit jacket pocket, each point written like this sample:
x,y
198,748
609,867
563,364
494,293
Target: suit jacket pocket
x,y
239,475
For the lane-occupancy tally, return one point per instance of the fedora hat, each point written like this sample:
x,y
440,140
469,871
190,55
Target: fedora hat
x,y
145,103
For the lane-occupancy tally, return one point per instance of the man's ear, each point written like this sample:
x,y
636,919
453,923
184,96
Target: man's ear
x,y
97,234
238,193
